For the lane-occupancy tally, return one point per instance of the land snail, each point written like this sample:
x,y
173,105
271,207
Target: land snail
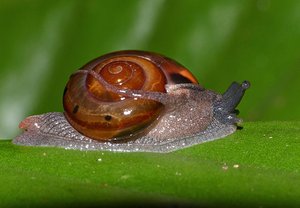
x,y
132,101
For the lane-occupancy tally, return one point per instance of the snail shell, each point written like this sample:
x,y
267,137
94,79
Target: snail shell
x,y
135,101
107,114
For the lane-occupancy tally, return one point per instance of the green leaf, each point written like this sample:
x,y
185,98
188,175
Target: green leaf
x,y
256,166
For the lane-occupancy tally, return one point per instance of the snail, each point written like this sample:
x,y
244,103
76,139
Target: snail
x,y
132,101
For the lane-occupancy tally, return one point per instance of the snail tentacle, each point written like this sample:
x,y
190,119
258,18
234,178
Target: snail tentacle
x,y
224,108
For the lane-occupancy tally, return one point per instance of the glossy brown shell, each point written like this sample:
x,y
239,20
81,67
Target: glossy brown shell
x,y
105,115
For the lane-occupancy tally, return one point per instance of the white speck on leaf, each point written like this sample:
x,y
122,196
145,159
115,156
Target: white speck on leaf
x,y
225,166
236,166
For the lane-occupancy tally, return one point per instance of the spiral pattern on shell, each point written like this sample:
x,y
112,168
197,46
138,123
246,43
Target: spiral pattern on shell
x,y
96,109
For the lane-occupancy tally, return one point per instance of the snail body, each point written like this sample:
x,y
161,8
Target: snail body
x,y
135,101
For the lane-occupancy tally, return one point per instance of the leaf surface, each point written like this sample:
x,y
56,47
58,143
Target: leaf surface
x,y
258,165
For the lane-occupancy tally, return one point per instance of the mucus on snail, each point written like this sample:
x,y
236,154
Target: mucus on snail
x,y
133,101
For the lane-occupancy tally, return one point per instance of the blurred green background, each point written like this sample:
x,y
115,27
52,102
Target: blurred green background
x,y
43,42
